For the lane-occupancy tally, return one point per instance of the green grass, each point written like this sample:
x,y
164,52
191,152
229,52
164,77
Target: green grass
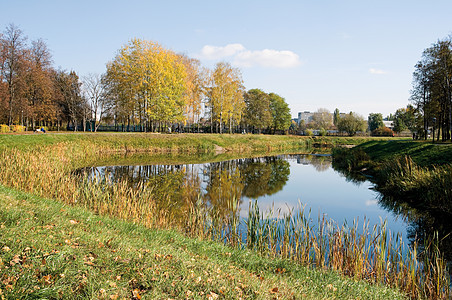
x,y
149,142
41,164
423,153
51,250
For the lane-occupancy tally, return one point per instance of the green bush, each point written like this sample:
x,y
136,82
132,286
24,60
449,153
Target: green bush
x,y
4,128
323,132
308,132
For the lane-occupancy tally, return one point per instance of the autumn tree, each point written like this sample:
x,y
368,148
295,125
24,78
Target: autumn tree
x,y
257,111
225,94
195,83
281,118
73,104
12,52
38,87
149,81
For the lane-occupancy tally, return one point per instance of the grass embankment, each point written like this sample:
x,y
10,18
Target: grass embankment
x,y
41,164
424,154
418,172
415,179
51,250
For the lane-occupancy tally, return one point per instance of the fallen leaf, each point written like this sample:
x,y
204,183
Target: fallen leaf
x,y
331,287
73,222
6,249
136,294
274,290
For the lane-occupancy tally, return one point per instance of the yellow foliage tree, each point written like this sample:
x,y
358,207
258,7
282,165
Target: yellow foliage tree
x,y
195,82
226,96
149,81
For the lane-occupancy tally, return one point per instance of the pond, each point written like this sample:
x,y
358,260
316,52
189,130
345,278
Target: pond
x,y
279,183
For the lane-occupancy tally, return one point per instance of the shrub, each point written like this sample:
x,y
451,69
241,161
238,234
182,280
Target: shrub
x,y
308,132
382,131
323,132
18,128
4,128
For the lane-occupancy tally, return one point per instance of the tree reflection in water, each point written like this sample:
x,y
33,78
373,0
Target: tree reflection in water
x,y
220,185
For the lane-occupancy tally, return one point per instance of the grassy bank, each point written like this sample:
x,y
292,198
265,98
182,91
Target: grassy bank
x,y
416,172
424,154
41,164
415,180
54,251
193,143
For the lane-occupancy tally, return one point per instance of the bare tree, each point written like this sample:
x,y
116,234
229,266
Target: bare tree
x,y
95,93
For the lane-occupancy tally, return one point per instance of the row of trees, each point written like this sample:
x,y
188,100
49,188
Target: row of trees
x,y
145,85
154,86
32,92
323,120
432,90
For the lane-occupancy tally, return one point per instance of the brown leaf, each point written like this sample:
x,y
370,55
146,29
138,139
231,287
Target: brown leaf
x,y
73,222
274,290
136,294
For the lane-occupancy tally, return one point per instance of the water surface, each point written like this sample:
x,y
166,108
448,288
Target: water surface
x,y
281,183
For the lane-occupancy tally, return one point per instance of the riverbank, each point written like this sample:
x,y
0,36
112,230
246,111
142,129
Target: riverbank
x,y
414,179
418,172
51,250
42,165
190,143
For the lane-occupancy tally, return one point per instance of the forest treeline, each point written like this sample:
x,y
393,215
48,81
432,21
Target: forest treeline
x,y
145,86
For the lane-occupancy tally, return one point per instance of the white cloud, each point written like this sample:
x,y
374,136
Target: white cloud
x,y
267,58
376,71
214,52
246,58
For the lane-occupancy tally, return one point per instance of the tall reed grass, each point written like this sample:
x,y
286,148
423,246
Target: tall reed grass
x,y
373,254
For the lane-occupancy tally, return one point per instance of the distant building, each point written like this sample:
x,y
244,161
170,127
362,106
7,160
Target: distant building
x,y
306,116
389,124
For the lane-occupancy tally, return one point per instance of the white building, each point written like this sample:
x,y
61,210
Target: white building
x,y
306,116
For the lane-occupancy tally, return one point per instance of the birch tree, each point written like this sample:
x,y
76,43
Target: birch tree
x,y
226,96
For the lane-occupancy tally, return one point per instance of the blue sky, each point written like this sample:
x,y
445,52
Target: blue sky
x,y
354,55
